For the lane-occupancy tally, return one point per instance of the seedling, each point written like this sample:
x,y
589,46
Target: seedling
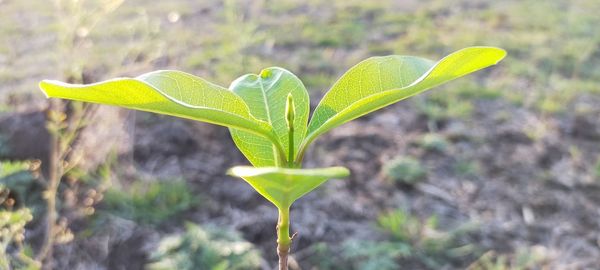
x,y
404,170
267,113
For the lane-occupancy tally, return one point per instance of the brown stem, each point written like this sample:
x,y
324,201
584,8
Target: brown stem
x,y
55,173
283,253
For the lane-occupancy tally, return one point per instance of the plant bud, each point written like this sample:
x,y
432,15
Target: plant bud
x,y
290,112
265,73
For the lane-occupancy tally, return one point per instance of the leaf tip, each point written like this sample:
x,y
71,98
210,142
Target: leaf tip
x,y
242,171
265,73
499,54
45,86
232,171
493,53
343,172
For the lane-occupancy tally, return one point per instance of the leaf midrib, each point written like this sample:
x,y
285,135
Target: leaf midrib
x,y
315,133
268,111
249,119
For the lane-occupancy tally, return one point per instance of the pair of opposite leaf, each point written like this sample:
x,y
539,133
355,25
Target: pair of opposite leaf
x,y
254,108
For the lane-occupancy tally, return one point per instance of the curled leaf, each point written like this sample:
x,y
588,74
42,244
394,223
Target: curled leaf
x,y
283,186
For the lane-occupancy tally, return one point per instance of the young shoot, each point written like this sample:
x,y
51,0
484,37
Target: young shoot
x,y
267,114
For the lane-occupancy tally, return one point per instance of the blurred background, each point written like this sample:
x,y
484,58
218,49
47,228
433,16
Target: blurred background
x,y
499,170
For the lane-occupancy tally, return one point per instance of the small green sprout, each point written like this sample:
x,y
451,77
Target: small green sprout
x,y
434,142
405,170
267,114
204,248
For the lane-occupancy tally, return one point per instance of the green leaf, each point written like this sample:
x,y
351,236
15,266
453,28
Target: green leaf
x,y
167,92
282,186
380,81
266,95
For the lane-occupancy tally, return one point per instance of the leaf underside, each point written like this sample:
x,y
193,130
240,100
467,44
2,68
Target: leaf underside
x,y
283,186
266,96
167,92
254,107
380,81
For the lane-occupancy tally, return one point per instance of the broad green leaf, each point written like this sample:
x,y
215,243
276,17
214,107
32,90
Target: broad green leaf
x,y
266,96
380,81
282,186
167,92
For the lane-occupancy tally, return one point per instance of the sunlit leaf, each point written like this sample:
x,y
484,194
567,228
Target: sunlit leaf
x,y
266,96
167,92
283,186
380,81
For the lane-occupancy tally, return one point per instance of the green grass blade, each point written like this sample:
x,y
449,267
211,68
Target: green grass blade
x,y
266,96
283,186
381,81
167,92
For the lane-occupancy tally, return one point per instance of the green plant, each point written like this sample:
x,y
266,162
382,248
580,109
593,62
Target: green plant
x,y
12,223
12,227
524,258
434,142
406,170
150,203
403,226
356,254
267,114
374,255
467,168
410,240
22,179
17,170
320,256
204,248
422,239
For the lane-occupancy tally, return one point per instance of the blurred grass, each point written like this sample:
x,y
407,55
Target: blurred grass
x,y
553,46
150,203
205,248
412,243
404,170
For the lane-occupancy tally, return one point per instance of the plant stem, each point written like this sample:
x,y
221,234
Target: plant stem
x,y
55,173
283,238
290,115
291,147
